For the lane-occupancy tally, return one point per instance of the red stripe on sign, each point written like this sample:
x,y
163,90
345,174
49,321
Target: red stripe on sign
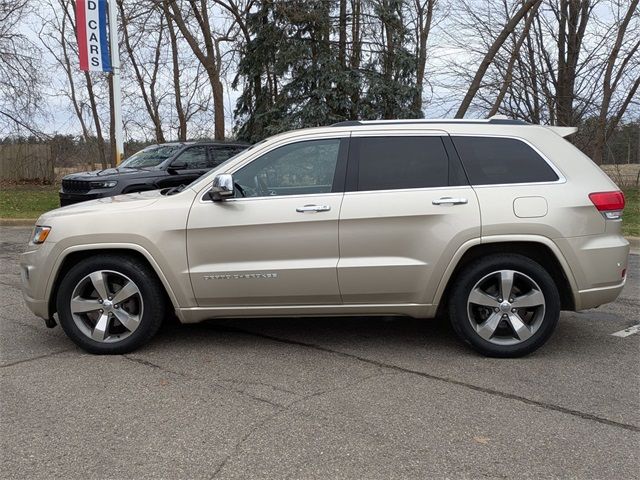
x,y
81,34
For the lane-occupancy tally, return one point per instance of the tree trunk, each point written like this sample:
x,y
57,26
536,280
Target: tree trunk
x,y
356,55
113,160
423,29
207,58
96,120
177,90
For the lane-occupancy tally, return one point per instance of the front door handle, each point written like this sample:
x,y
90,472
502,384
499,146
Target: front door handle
x,y
313,208
450,201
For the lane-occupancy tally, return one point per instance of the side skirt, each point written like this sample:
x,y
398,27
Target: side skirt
x,y
198,314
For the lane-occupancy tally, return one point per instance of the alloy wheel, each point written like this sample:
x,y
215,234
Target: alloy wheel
x,y
506,307
106,306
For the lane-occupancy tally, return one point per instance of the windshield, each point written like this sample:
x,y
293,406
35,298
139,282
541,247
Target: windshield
x,y
151,156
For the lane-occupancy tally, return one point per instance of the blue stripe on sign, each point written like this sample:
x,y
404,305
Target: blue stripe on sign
x,y
104,43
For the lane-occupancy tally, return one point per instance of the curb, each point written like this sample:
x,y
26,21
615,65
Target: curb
x,y
634,242
17,222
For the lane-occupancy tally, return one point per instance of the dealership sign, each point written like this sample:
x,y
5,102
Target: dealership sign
x,y
93,40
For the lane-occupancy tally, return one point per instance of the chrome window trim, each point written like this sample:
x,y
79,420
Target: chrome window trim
x,y
403,190
270,197
205,182
561,177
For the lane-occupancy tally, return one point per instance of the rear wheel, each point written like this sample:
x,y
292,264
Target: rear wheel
x,y
110,304
504,305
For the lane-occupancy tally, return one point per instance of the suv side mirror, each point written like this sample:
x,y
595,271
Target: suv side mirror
x,y
222,187
175,166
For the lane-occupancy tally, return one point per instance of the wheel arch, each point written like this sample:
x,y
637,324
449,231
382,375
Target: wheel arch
x,y
73,255
541,250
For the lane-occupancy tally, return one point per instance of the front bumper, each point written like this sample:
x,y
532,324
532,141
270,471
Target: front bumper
x,y
35,267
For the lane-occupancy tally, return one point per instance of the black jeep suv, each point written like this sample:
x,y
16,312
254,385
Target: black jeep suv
x,y
156,166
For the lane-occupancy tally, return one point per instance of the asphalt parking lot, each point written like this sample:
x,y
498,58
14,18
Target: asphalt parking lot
x,y
318,398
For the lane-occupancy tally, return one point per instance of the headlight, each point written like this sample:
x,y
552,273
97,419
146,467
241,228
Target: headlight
x,y
106,184
40,234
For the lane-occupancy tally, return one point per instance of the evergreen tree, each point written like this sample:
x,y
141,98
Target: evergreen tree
x,y
295,72
391,71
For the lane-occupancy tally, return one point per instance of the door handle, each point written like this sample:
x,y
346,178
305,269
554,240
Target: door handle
x,y
450,201
313,208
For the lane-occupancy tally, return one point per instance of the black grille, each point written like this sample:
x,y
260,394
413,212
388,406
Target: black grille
x,y
75,186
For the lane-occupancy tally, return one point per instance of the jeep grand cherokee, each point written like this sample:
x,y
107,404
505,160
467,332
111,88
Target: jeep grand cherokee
x,y
498,224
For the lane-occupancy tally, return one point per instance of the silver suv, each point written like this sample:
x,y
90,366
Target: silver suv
x,y
497,224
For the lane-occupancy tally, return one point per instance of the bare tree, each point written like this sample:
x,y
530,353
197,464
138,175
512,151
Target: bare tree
x,y
515,53
205,44
20,82
614,73
146,73
58,38
491,53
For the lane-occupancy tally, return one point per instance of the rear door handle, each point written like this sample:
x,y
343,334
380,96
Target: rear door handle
x,y
313,208
450,201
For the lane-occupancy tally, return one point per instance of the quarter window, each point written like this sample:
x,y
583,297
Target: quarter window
x,y
296,169
493,160
386,163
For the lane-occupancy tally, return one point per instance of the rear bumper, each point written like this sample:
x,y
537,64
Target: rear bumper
x,y
599,264
598,296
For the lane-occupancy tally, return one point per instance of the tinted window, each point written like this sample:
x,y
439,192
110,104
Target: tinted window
x,y
400,162
220,154
490,161
295,169
193,158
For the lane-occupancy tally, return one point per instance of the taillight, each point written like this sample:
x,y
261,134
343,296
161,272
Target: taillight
x,y
610,204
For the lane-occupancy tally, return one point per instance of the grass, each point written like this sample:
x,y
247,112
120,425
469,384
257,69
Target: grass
x,y
631,217
27,200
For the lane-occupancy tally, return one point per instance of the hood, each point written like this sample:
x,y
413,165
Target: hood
x,y
112,174
106,205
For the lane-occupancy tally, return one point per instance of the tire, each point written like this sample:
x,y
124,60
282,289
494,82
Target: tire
x,y
129,316
504,327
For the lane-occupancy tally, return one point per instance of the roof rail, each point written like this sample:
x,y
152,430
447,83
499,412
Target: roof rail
x,y
491,121
346,123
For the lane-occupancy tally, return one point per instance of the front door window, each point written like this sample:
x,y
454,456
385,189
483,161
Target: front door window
x,y
296,169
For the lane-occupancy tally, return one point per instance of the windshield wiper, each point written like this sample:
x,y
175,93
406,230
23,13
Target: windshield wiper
x,y
174,190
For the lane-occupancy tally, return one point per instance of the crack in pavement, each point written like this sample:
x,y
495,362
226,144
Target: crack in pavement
x,y
451,381
39,357
147,363
47,331
238,445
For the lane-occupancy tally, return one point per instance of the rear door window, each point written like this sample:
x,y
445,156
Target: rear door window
x,y
495,160
386,163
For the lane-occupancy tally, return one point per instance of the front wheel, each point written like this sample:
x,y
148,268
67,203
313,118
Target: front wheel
x,y
110,304
504,305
